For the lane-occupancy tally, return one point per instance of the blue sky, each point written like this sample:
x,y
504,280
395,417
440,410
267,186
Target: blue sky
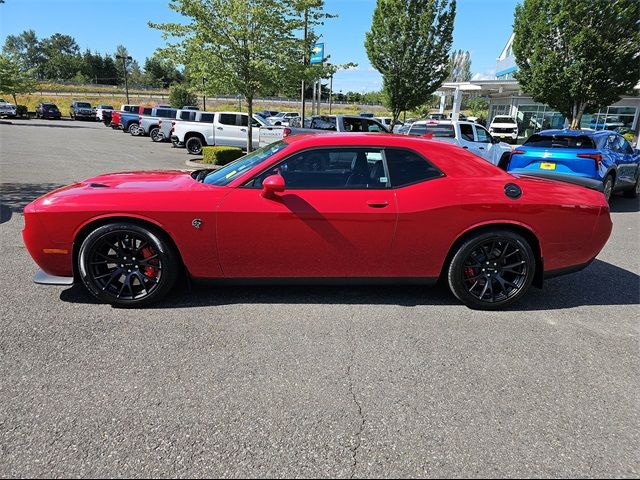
x,y
481,26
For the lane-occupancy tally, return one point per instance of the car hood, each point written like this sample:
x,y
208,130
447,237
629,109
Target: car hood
x,y
503,125
151,179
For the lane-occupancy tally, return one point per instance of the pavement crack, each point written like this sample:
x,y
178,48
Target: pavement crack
x,y
358,441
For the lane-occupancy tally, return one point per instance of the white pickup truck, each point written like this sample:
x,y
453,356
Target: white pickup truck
x,y
322,124
468,135
227,128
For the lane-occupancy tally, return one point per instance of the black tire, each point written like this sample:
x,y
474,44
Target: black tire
x,y
608,186
127,281
194,145
492,270
635,191
153,133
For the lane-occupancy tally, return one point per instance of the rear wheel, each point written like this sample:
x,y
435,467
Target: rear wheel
x,y
127,265
134,129
635,191
194,146
155,134
608,187
492,270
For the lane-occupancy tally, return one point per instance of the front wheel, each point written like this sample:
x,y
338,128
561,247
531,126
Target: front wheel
x,y
194,146
127,265
492,270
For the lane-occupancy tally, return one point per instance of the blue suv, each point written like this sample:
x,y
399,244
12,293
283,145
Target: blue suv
x,y
603,155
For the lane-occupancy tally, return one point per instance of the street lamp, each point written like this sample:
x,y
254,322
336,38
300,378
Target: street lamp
x,y
204,100
124,59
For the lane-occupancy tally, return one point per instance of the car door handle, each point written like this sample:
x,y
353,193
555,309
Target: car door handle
x,y
219,128
465,147
377,204
481,148
243,129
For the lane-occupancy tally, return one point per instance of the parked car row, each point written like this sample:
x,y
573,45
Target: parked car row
x,y
7,109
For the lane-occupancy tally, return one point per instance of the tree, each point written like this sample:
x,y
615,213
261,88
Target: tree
x,y
577,55
25,48
460,66
161,71
478,106
14,80
409,45
239,46
180,96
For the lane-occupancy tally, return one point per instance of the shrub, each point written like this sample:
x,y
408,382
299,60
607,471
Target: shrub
x,y
629,136
220,155
21,110
179,96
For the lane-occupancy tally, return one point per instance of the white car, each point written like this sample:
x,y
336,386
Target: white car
x,y
386,121
7,109
504,127
100,109
223,128
284,118
468,135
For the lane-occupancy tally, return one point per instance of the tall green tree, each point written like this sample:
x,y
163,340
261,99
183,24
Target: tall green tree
x,y
460,66
409,45
239,46
14,80
25,48
161,71
577,55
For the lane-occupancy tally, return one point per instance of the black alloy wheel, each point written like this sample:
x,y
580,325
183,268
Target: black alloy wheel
x,y
492,270
194,146
126,264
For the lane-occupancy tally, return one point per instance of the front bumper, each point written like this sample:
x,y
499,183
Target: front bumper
x,y
43,278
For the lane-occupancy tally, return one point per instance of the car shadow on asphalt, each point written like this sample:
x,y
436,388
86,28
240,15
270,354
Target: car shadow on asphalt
x,y
15,196
621,204
51,125
591,286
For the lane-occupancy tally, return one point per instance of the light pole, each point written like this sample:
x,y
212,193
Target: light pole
x,y
204,100
124,59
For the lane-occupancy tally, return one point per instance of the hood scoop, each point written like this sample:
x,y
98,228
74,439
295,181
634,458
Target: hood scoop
x,y
98,185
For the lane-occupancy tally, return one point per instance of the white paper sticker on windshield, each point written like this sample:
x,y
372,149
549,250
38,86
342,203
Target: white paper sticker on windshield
x,y
383,179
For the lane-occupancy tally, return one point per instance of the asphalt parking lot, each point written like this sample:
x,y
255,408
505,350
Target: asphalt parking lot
x,y
305,381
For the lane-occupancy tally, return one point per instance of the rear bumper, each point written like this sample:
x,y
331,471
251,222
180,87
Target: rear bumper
x,y
567,270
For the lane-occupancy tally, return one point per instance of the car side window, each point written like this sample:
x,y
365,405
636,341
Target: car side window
x,y
373,126
612,143
483,135
466,132
407,167
624,146
227,119
330,168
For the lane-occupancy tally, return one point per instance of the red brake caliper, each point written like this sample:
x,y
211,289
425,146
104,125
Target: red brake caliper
x,y
149,270
468,272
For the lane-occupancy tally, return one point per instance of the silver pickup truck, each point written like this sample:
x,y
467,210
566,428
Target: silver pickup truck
x,y
321,124
150,124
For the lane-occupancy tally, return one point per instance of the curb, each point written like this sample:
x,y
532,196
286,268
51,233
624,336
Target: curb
x,y
198,166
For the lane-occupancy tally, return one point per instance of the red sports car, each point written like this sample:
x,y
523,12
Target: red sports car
x,y
320,208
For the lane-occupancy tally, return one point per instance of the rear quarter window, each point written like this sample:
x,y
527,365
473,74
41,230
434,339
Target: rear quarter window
x,y
407,167
582,142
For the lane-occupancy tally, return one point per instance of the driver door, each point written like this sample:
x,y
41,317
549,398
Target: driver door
x,y
485,145
336,218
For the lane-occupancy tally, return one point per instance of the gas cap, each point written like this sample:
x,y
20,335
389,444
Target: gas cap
x,y
512,190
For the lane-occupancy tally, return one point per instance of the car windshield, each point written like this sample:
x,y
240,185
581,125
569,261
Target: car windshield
x,y
504,120
560,141
83,105
226,174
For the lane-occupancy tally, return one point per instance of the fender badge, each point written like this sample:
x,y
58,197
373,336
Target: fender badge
x,y
196,223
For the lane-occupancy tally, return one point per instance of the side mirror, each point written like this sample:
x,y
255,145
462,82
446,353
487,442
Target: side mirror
x,y
271,185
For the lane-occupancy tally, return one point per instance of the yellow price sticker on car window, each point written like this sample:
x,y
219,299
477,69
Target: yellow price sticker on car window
x,y
547,166
231,174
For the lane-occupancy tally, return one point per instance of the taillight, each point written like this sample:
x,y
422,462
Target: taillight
x,y
159,123
596,157
139,118
517,152
286,132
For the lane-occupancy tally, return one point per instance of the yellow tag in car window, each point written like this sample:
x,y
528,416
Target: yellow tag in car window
x,y
547,166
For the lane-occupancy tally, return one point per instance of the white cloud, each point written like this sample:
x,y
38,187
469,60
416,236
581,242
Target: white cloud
x,y
486,75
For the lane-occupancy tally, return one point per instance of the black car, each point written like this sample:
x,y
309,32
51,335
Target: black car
x,y
48,110
82,110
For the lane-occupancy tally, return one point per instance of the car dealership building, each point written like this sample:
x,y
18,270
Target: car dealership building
x,y
506,98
